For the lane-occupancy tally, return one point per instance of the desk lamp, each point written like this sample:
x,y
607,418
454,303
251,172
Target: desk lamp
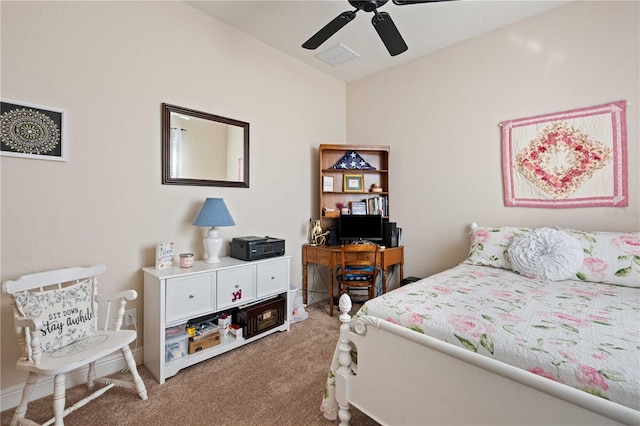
x,y
213,213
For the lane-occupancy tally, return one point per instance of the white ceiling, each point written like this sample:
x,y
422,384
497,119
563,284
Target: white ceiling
x,y
286,24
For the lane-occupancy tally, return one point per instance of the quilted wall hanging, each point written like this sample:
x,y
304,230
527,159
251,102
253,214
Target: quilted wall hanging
x,y
574,158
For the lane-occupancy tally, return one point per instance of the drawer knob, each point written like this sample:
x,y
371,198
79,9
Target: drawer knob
x,y
273,278
191,296
237,285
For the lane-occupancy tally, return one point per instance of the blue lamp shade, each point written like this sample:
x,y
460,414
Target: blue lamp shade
x,y
213,213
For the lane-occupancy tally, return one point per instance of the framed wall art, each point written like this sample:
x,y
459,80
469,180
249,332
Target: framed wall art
x,y
353,183
575,158
32,131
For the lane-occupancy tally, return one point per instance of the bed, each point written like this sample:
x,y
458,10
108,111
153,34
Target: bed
x,y
536,326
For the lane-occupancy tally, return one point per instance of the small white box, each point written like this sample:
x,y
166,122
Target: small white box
x,y
236,331
224,322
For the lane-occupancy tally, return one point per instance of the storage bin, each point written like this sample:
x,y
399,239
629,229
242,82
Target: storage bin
x,y
256,319
175,330
176,347
204,343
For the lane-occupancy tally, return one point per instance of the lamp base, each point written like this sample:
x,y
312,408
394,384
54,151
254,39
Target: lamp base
x,y
212,245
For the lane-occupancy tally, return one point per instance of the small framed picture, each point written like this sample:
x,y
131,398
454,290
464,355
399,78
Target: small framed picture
x,y
353,183
327,183
32,131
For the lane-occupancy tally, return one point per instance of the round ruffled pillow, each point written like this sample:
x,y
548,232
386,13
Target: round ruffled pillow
x,y
547,254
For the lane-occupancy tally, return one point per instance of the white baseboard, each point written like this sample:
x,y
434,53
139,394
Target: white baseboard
x,y
108,365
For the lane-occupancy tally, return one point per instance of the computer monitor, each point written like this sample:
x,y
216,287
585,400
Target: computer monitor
x,y
360,228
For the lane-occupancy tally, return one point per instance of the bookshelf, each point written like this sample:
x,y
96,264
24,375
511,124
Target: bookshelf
x,y
346,186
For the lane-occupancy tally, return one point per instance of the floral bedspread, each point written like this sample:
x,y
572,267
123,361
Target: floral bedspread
x,y
583,334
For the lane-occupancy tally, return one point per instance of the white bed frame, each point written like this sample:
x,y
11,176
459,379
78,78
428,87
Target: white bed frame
x,y
403,377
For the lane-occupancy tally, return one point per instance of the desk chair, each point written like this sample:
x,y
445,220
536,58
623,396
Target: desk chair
x,y
56,319
358,268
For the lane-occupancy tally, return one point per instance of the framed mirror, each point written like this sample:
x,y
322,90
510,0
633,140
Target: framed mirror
x,y
203,149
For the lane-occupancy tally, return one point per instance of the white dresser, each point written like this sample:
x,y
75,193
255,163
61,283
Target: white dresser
x,y
175,295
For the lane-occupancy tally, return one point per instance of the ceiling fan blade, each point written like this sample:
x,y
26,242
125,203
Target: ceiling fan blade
x,y
405,2
389,33
328,30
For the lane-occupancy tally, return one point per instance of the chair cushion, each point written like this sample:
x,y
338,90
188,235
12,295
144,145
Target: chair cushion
x,y
66,313
357,277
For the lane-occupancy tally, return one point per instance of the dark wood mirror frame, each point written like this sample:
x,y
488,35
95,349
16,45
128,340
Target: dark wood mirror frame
x,y
167,179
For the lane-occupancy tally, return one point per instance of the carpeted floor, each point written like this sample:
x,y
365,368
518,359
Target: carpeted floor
x,y
278,380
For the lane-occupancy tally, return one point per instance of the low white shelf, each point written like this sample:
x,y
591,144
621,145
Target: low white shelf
x,y
176,295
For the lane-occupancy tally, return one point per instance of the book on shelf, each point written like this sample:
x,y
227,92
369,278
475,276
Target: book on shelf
x,y
164,254
378,205
358,207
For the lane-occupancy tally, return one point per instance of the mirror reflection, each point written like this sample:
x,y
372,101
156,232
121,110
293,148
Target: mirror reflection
x,y
204,149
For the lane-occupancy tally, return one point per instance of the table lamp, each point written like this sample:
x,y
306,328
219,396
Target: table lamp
x,y
213,213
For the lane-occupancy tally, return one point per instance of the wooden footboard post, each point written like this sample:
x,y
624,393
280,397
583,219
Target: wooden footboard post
x,y
343,375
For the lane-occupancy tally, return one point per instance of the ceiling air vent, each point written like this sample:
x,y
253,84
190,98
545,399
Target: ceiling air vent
x,y
337,55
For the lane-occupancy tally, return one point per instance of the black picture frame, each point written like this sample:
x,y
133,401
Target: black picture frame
x,y
32,131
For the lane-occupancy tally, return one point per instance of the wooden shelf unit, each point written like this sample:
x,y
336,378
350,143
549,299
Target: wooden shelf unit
x,y
376,155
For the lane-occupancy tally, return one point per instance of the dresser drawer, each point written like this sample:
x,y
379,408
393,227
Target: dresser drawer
x,y
235,287
189,296
272,278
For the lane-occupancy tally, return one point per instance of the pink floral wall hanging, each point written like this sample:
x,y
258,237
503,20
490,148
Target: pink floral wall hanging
x,y
574,158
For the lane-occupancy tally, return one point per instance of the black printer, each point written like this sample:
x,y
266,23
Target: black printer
x,y
254,248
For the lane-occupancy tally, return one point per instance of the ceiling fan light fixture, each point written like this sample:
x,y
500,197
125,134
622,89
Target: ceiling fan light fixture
x,y
337,55
382,22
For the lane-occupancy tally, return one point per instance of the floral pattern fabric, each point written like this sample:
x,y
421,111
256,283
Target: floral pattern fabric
x,y
583,334
489,245
609,257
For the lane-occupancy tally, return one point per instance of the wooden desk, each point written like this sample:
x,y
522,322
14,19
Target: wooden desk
x,y
330,256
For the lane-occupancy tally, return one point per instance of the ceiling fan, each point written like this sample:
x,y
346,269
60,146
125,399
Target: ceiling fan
x,y
381,21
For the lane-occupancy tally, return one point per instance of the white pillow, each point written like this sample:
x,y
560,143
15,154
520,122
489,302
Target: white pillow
x,y
609,257
546,253
489,245
67,313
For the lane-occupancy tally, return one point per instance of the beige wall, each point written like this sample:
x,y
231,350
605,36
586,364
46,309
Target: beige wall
x,y
111,65
441,114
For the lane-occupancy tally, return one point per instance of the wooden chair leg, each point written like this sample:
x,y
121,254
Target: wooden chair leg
x,y
131,364
21,410
59,389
